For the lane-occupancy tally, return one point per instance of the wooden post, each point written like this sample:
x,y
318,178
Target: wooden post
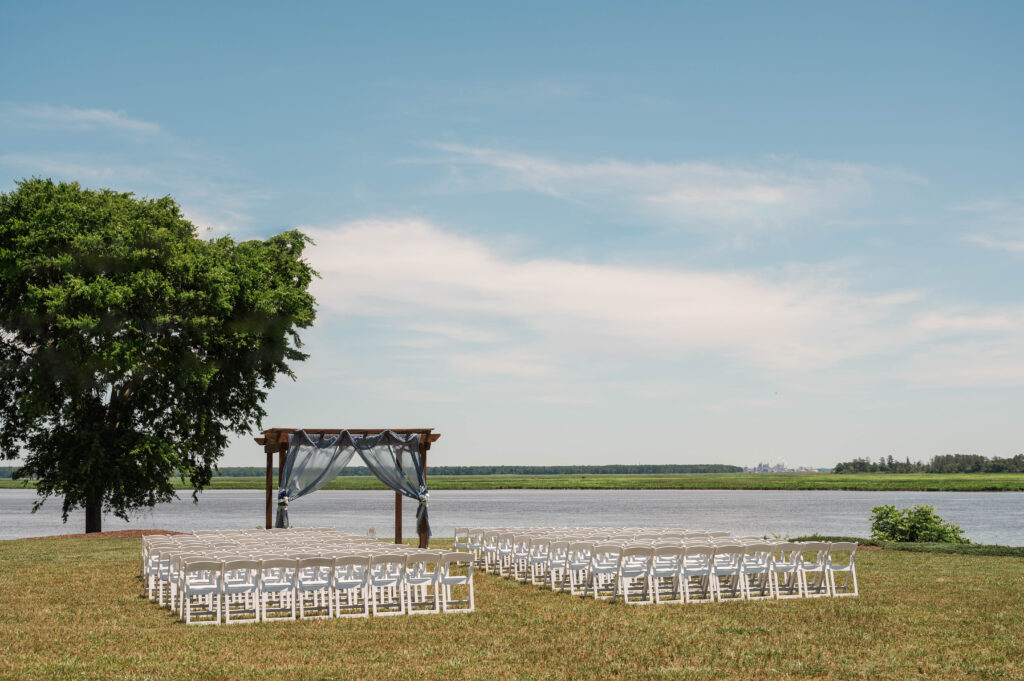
x,y
398,510
424,445
282,457
270,481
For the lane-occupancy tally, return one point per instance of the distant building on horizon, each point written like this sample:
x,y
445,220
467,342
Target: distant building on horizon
x,y
781,467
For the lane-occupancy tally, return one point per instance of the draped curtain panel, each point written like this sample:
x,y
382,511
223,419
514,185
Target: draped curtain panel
x,y
313,461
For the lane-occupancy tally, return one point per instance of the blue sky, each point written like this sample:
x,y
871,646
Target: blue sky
x,y
589,233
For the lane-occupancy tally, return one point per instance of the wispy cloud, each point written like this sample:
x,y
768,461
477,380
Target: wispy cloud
x,y
770,193
75,119
997,223
599,308
205,185
94,168
551,321
1010,243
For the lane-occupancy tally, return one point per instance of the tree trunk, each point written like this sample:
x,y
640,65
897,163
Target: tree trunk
x,y
93,517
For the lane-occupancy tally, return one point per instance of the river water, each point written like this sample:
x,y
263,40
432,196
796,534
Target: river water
x,y
986,517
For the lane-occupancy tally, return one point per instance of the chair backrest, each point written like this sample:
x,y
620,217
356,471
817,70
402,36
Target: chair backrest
x,y
635,550
636,556
729,553
786,551
278,563
761,548
387,559
842,547
419,562
315,562
201,565
236,565
700,550
606,553
457,558
580,550
818,547
667,551
539,546
558,549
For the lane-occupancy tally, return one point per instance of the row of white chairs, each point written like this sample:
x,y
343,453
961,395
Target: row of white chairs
x,y
664,567
253,576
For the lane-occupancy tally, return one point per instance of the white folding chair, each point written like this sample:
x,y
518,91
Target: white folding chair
x,y
503,553
387,592
577,565
757,571
814,572
149,567
158,572
520,558
666,573
730,580
489,550
633,576
697,573
422,587
200,588
834,567
173,577
558,553
456,571
239,592
475,543
785,571
604,565
313,587
350,584
539,560
277,588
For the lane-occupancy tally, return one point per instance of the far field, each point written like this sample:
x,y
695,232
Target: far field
x,y
941,482
71,610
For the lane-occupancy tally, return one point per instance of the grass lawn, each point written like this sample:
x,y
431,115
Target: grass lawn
x,y
941,482
69,609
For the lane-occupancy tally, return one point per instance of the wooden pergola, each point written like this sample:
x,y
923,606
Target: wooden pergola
x,y
276,440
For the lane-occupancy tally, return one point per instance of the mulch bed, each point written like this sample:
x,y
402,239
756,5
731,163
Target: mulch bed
x,y
133,534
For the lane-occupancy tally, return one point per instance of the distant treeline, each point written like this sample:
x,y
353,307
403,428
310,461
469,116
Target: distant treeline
x,y
256,471
249,471
945,463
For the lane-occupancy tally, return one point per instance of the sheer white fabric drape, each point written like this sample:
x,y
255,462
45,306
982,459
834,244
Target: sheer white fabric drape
x,y
313,461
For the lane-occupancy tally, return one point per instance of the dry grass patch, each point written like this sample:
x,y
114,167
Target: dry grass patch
x,y
69,609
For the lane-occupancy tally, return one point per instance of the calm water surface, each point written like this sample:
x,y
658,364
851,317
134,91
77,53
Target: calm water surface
x,y
986,517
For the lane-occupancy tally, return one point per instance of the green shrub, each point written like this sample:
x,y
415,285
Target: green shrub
x,y
915,524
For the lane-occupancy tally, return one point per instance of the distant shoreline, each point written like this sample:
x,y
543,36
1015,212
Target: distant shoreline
x,y
865,482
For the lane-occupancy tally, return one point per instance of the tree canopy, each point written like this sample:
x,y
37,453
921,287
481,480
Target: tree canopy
x,y
130,348
944,463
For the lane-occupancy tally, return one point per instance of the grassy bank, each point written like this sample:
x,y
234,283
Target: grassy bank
x,y
955,482
71,611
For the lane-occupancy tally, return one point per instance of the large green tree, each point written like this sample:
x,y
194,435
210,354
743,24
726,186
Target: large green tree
x,y
130,348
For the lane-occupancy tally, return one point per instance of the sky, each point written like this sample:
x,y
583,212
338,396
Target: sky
x,y
584,233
